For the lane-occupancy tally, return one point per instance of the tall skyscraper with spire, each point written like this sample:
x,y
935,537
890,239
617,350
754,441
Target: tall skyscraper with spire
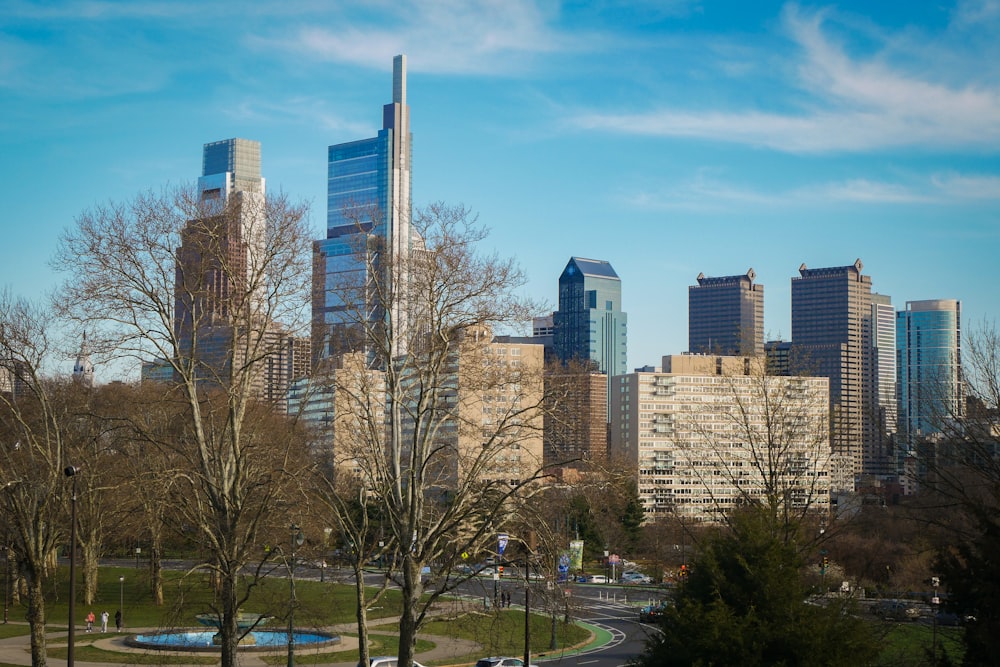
x,y
368,229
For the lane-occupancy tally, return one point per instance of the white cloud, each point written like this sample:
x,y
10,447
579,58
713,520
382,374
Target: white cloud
x,y
842,103
707,191
453,36
976,187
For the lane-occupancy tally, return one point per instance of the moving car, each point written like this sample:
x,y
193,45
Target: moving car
x,y
653,612
636,578
896,610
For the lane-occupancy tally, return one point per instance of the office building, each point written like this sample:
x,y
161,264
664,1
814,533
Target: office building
x,y
589,326
708,433
726,315
341,405
220,321
929,367
832,338
369,236
576,420
491,430
215,259
881,458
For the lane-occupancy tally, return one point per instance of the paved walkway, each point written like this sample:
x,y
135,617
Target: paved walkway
x,y
17,650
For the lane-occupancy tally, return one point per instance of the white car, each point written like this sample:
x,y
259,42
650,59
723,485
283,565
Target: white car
x,y
499,661
636,578
386,661
597,579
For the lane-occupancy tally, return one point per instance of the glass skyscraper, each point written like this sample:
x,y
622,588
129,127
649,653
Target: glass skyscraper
x,y
929,366
590,325
368,228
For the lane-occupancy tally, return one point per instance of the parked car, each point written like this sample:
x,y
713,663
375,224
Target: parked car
x,y
386,661
501,661
597,579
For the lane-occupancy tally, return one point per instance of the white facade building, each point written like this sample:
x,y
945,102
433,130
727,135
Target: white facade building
x,y
712,432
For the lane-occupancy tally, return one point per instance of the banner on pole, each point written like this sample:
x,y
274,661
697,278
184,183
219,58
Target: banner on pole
x,y
576,554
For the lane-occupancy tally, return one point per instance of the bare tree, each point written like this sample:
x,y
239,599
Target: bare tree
x,y
455,443
206,286
34,492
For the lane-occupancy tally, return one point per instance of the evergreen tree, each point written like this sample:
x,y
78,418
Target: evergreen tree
x,y
745,603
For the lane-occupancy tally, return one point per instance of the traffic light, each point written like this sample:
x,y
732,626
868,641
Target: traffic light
x,y
684,572
824,565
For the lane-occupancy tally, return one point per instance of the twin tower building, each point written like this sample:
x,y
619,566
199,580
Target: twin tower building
x,y
879,363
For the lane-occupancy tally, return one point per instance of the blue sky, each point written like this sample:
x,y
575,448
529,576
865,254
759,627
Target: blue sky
x,y
667,137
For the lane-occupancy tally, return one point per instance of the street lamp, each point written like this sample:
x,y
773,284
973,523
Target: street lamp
x,y
297,539
72,471
120,621
6,579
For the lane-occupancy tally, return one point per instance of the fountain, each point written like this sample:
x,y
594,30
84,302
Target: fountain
x,y
207,640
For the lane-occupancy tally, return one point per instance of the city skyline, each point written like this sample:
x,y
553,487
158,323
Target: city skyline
x,y
670,139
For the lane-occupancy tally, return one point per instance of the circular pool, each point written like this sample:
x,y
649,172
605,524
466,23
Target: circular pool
x,y
204,640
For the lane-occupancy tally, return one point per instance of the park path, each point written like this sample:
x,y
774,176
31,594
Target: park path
x,y
17,650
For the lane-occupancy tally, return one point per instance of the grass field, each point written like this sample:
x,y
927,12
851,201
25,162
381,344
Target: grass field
x,y
319,605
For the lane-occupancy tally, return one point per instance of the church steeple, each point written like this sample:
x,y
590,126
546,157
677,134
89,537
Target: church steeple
x,y
83,369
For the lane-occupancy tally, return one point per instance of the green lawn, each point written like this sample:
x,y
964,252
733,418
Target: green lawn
x,y
319,605
186,596
502,632
912,643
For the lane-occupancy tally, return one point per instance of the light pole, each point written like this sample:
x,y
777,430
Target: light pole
x,y
935,601
297,539
121,603
72,471
6,580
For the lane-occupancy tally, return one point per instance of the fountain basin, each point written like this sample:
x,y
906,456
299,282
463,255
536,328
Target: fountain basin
x,y
202,640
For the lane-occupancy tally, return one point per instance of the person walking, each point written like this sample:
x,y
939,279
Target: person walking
x,y
90,621
104,621
118,620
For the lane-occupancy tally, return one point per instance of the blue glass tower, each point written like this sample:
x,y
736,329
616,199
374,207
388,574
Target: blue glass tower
x,y
368,199
590,325
928,366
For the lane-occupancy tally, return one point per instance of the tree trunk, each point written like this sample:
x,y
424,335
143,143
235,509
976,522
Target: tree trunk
x,y
412,590
36,619
228,630
89,566
156,573
359,588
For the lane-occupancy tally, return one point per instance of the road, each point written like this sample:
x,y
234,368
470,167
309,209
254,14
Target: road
x,y
609,607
